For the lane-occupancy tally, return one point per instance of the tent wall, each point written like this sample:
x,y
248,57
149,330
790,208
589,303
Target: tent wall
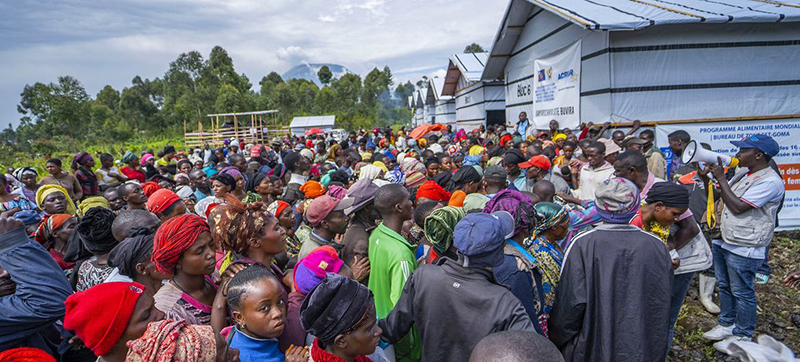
x,y
473,102
545,33
430,112
445,111
693,71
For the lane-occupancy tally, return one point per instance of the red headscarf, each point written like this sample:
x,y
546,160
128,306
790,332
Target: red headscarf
x,y
170,340
161,200
48,226
150,187
26,354
173,238
432,190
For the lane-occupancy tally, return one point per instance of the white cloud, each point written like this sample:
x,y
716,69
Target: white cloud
x,y
293,54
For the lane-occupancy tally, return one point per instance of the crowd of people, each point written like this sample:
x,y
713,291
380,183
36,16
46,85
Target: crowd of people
x,y
497,244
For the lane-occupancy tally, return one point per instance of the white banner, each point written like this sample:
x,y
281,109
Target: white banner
x,y
720,134
557,88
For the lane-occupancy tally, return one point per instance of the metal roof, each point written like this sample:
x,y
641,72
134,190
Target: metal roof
x,y
314,121
435,85
470,65
615,15
638,14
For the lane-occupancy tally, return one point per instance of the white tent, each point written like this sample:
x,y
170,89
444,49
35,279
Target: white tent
x,y
476,100
419,107
442,108
662,61
721,70
299,125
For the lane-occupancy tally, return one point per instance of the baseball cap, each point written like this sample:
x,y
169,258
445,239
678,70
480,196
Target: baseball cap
x,y
633,140
362,193
322,206
539,161
760,142
480,237
494,171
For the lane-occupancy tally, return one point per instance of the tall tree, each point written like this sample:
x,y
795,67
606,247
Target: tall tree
x,y
474,48
325,75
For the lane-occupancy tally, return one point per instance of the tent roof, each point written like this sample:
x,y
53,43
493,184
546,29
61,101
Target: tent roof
x,y
314,121
435,85
615,15
470,65
420,95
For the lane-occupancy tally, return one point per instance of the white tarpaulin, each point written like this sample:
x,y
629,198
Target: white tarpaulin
x,y
557,88
785,131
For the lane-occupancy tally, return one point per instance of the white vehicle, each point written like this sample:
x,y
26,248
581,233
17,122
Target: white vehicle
x,y
338,134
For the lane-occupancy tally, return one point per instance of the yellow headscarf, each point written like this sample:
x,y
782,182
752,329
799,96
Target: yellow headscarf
x,y
475,150
45,190
366,156
92,202
559,136
381,166
422,142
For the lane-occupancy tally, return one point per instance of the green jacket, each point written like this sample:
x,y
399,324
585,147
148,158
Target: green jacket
x,y
392,260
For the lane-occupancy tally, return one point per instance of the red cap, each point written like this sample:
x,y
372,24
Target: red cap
x,y
161,200
319,209
536,161
100,314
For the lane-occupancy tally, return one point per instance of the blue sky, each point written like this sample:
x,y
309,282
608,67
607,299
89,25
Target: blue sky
x,y
110,42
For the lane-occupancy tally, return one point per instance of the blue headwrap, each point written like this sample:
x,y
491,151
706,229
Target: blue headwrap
x,y
472,160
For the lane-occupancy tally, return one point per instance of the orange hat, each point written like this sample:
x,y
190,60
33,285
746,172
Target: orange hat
x,y
539,161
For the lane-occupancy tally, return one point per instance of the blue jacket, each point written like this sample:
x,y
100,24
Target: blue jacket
x,y
28,315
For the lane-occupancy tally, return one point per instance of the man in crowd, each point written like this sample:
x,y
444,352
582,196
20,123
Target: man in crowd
x,y
537,168
523,124
327,218
592,305
511,161
750,202
133,195
655,159
363,219
677,143
592,174
392,260
198,180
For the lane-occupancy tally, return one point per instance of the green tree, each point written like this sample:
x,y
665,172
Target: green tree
x,y
325,100
55,108
229,99
474,48
325,75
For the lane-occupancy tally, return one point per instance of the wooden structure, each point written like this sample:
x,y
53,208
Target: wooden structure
x,y
248,127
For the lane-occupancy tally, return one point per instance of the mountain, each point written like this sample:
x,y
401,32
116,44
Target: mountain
x,y
309,71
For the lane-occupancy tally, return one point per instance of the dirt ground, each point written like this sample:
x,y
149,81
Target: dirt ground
x,y
778,308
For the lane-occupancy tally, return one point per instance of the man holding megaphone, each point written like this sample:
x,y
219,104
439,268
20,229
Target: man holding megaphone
x,y
750,199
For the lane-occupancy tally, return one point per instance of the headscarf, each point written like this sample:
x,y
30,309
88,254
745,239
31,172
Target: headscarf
x,y
81,158
670,194
553,214
335,306
326,179
395,176
277,207
465,175
161,200
519,206
312,189
476,150
146,157
439,226
431,190
134,249
26,354
128,157
184,191
92,236
332,151
238,224
49,226
412,164
460,135
46,190
472,160
173,238
337,192
150,187
253,181
559,136
366,156
22,171
92,202
415,179
227,180
617,200
231,170
369,172
381,166
177,341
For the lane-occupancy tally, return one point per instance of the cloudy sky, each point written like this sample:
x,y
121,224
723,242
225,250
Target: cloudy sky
x,y
110,42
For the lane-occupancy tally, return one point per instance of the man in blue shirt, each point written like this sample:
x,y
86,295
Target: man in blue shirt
x,y
522,124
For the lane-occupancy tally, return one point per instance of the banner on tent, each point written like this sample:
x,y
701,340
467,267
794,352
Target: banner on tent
x,y
557,88
785,131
